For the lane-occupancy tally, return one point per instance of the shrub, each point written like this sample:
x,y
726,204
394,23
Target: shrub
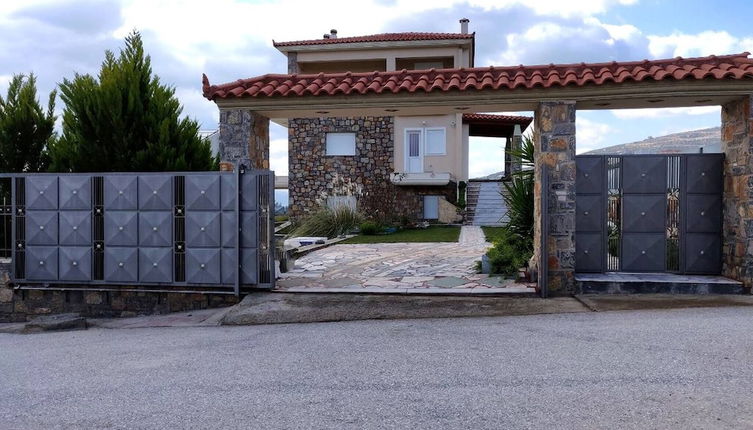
x,y
369,228
519,196
462,187
509,253
329,222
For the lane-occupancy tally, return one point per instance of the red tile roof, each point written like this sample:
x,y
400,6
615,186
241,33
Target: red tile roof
x,y
489,117
726,67
383,37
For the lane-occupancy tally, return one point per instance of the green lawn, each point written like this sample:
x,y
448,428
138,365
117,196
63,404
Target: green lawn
x,y
493,233
435,233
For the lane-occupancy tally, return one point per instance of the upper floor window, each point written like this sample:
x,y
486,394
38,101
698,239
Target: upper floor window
x,y
341,144
436,141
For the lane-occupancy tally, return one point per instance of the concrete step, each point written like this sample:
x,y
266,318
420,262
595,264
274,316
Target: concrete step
x,y
655,283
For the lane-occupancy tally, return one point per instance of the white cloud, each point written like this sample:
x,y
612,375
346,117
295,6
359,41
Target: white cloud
x,y
700,44
664,112
590,135
485,156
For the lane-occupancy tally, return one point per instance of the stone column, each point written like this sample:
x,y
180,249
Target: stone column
x,y
516,144
737,144
554,137
244,138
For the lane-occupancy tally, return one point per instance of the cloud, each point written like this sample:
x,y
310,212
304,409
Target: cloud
x,y
590,135
664,112
699,44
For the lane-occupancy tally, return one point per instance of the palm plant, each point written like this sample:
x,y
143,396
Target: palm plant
x,y
519,196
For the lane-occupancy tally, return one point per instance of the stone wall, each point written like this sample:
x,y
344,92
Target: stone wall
x,y
554,137
24,305
244,138
737,145
313,176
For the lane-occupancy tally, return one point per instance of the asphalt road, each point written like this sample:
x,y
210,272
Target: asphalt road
x,y
640,369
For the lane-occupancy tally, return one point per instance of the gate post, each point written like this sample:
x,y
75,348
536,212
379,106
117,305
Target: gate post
x,y
244,139
554,237
737,145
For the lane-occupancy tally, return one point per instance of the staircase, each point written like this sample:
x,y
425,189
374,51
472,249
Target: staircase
x,y
484,204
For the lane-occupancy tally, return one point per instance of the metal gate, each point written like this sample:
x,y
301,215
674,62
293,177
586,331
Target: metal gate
x,y
208,231
649,213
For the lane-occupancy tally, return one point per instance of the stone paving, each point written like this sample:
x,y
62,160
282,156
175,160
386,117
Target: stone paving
x,y
400,268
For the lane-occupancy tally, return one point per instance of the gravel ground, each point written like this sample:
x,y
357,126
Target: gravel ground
x,y
630,369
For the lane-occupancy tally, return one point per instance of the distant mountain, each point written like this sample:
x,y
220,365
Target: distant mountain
x,y
677,143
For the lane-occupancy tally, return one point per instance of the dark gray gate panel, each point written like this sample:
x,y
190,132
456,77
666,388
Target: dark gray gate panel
x,y
589,253
121,192
202,193
229,266
75,228
644,174
203,229
42,228
704,213
703,253
704,173
75,263
155,265
75,192
42,192
249,229
42,263
643,252
589,215
203,266
250,194
589,175
229,230
156,192
121,228
644,213
155,229
121,264
229,192
249,266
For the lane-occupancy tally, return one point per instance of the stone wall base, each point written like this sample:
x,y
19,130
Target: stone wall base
x,y
24,305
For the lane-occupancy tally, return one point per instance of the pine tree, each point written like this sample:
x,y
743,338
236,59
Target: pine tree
x,y
26,129
126,120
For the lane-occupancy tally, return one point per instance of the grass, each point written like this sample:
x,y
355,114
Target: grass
x,y
493,234
435,233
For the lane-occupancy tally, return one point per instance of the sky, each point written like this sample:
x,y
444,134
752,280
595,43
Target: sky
x,y
232,39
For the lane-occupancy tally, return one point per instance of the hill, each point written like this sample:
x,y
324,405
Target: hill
x,y
677,143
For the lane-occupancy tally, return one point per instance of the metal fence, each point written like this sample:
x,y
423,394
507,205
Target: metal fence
x,y
202,231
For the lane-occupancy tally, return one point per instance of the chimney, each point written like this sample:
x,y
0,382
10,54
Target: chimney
x,y
333,34
325,36
464,25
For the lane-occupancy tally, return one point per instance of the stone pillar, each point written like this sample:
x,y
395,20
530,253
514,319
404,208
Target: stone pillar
x,y
554,140
516,144
244,138
737,144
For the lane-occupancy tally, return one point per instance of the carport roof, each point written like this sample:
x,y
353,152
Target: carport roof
x,y
720,68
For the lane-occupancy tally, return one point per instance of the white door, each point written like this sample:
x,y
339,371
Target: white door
x,y
414,152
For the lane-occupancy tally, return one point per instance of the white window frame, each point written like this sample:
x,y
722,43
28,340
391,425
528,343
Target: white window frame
x,y
326,144
426,140
406,147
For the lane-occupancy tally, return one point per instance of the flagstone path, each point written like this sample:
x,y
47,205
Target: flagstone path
x,y
400,268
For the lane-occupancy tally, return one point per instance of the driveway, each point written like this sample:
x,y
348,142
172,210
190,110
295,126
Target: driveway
x,y
410,268
639,369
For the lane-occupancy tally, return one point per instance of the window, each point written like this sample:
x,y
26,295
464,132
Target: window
x,y
426,65
436,142
341,144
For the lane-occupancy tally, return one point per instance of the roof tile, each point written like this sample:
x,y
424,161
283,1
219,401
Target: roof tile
x,y
737,66
382,37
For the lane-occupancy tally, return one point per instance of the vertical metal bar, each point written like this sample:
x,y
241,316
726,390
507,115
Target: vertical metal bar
x,y
238,191
271,220
13,229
